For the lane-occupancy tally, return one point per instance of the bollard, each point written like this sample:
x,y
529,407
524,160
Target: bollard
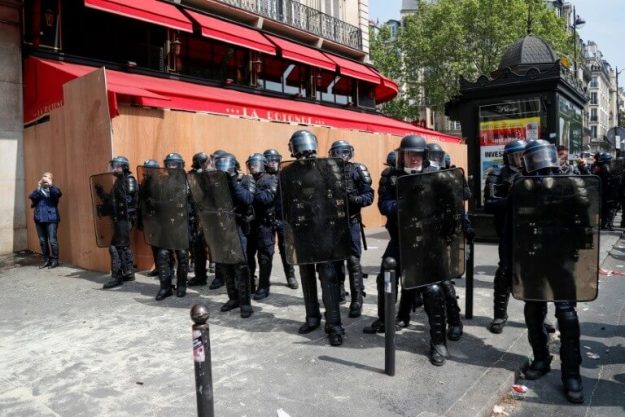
x,y
468,308
202,360
390,289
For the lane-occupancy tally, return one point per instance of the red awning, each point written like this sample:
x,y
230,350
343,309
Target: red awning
x,y
386,90
151,11
48,77
354,69
303,54
232,33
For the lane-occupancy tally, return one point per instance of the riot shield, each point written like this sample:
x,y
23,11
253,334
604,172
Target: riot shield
x,y
314,210
555,238
103,202
164,207
431,243
213,205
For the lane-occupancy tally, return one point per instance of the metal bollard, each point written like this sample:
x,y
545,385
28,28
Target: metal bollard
x,y
390,289
202,360
468,308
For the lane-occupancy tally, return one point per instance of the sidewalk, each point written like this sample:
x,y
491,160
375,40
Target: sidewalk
x,y
68,348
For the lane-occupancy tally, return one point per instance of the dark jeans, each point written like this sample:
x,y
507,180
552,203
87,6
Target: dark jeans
x,y
47,235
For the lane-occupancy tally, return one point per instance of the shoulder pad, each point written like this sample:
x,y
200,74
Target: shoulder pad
x,y
247,181
363,173
131,183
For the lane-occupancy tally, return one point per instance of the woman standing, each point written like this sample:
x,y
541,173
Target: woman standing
x,y
45,201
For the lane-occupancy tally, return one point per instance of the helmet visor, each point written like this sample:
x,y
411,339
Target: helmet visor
x,y
543,157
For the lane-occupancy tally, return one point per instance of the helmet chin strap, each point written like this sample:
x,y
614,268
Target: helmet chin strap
x,y
412,170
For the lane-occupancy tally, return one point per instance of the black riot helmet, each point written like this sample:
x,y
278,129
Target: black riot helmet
x,y
341,149
436,155
119,162
391,159
200,159
513,154
303,144
151,163
272,160
604,158
226,162
173,160
540,156
412,145
256,163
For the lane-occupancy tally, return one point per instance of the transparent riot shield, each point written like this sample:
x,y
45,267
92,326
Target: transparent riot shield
x,y
431,243
314,210
555,238
164,207
213,205
103,202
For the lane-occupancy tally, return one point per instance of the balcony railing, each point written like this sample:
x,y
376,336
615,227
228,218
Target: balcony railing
x,y
303,17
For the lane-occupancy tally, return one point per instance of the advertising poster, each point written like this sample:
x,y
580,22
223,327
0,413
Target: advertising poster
x,y
502,122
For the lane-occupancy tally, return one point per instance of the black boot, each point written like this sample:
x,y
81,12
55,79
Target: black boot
x,y
434,302
218,281
330,295
231,287
355,286
46,263
242,274
264,272
535,312
116,269
311,303
196,281
115,281
152,273
165,272
211,267
570,354
405,306
500,301
378,325
454,324
291,282
54,263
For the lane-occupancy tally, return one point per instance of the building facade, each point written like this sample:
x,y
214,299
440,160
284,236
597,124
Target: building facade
x,y
602,93
188,76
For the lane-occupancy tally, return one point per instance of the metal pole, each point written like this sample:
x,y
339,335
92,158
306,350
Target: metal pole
x,y
468,308
202,361
390,295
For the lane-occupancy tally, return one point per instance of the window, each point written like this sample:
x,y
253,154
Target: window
x,y
593,82
593,98
593,115
593,132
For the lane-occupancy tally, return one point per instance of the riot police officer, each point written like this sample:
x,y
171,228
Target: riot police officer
x,y
359,195
303,145
201,162
272,162
262,237
150,163
125,195
496,191
610,190
411,159
437,158
170,258
237,276
541,160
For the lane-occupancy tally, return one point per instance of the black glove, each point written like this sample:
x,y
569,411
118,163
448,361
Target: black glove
x,y
353,199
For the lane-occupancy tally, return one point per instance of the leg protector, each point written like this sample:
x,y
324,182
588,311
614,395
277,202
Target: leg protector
x,y
454,324
182,272
164,274
311,302
116,269
355,285
331,299
535,312
500,300
128,268
434,303
378,325
405,306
